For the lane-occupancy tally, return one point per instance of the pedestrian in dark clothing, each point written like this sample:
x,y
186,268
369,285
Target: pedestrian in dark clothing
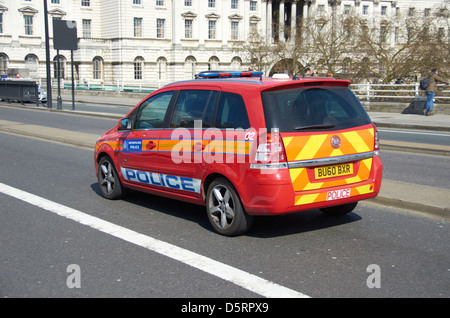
x,y
432,90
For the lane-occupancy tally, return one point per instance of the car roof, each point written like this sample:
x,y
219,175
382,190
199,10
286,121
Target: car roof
x,y
260,83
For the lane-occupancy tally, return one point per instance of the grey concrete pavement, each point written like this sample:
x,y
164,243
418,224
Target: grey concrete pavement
x,y
429,200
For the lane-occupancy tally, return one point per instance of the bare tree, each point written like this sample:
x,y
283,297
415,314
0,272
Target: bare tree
x,y
434,48
380,49
331,41
259,49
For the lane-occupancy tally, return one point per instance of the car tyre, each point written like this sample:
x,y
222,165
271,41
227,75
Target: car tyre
x,y
224,208
339,209
108,179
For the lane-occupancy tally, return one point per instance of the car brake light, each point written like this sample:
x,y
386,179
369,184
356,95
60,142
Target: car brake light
x,y
270,153
376,139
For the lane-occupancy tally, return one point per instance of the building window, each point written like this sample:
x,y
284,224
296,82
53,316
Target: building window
x,y
28,24
253,5
138,68
162,68
4,59
427,12
97,71
32,64
159,3
211,29
85,3
55,1
137,2
411,12
188,29
187,3
441,35
320,9
365,10
62,67
211,3
383,10
383,34
234,30
1,22
160,28
234,4
86,24
137,27
346,8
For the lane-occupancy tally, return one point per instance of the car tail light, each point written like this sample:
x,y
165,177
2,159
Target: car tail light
x,y
270,153
376,139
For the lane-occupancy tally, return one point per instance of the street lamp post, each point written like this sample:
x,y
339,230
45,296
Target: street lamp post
x,y
47,54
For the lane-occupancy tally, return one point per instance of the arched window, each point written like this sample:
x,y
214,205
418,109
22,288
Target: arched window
x,y
162,68
190,67
213,63
32,64
62,67
138,68
236,63
97,68
4,60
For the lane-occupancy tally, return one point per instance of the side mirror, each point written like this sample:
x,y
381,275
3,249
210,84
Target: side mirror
x,y
124,124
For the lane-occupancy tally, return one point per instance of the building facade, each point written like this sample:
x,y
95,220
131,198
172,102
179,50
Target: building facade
x,y
152,42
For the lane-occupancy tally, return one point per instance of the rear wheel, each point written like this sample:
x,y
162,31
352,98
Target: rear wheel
x,y
225,211
339,209
108,179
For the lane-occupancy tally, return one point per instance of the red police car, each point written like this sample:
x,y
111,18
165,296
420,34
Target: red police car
x,y
243,145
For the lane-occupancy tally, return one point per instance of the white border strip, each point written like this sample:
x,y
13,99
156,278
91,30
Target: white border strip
x,y
236,276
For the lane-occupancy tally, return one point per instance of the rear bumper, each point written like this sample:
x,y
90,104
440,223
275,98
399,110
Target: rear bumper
x,y
274,194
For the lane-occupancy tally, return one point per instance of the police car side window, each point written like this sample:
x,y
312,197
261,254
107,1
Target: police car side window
x,y
231,112
151,113
190,107
208,114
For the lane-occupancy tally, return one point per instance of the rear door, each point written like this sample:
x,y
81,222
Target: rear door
x,y
181,146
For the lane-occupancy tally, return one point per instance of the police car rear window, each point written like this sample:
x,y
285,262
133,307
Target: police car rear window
x,y
310,109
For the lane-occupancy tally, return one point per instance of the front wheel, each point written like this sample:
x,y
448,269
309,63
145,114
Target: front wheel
x,y
340,209
108,179
225,211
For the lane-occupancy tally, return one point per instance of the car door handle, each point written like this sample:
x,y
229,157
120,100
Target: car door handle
x,y
151,145
198,146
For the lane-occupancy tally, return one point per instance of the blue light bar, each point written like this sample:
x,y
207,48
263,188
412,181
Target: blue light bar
x,y
228,74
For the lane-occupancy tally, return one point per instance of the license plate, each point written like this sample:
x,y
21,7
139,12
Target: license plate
x,y
333,171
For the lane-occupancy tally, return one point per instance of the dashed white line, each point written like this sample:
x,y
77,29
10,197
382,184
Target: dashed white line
x,y
236,276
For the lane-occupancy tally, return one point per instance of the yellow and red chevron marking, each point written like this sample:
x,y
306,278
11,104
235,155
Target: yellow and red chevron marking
x,y
322,196
316,146
302,178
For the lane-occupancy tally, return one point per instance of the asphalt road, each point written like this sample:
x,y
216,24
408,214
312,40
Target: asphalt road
x,y
307,253
405,167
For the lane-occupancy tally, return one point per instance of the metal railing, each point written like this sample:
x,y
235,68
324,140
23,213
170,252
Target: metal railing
x,y
400,92
111,88
364,92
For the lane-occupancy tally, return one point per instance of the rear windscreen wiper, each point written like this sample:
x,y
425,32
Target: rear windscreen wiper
x,y
314,127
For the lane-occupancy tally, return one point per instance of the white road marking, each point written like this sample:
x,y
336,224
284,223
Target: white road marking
x,y
236,276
